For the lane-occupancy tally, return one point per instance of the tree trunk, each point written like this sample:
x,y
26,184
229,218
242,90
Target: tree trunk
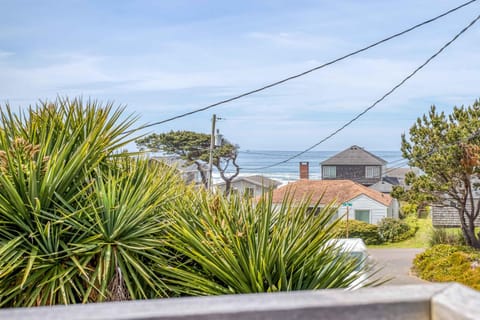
x,y
228,180
467,222
202,173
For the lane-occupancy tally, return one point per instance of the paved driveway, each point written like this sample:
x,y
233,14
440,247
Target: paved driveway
x,y
396,264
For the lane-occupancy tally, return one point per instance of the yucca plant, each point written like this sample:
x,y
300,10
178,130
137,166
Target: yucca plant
x,y
79,222
231,245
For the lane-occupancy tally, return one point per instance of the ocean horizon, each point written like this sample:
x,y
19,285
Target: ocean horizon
x,y
254,162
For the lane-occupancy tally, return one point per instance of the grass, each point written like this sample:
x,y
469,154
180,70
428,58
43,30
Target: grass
x,y
420,240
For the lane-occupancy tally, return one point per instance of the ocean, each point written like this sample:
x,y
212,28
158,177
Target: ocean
x,y
254,162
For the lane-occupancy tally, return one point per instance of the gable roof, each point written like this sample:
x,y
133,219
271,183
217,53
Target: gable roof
x,y
258,180
328,191
179,163
354,155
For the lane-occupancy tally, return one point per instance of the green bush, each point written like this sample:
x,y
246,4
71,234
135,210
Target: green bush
x,y
444,263
226,246
78,221
444,236
394,230
408,209
359,229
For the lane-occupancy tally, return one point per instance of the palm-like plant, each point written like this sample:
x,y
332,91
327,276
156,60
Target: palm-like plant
x,y
78,222
232,246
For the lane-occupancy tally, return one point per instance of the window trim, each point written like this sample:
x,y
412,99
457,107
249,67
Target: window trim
x,y
374,170
327,171
369,215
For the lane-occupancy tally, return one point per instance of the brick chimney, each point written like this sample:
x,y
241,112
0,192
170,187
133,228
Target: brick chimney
x,y
304,171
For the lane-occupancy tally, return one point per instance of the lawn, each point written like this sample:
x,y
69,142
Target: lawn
x,y
420,240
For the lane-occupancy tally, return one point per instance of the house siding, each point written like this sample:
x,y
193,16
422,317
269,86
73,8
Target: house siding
x,y
355,173
377,210
447,216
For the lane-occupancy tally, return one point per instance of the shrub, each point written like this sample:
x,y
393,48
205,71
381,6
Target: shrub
x,y
232,246
444,236
443,263
78,222
359,229
408,209
394,230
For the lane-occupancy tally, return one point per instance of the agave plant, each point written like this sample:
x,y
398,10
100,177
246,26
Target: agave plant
x,y
233,246
79,222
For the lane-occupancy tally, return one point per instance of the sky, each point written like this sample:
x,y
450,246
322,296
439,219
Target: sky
x,y
164,58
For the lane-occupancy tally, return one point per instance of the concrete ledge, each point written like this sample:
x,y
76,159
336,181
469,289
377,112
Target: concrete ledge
x,y
392,302
456,302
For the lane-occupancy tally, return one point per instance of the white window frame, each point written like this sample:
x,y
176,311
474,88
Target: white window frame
x,y
372,172
329,171
367,210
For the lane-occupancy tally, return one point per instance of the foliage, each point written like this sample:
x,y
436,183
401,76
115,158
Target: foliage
x,y
359,229
78,222
446,149
443,236
232,246
443,263
194,148
394,230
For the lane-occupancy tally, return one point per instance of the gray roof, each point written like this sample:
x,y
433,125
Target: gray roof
x,y
382,186
354,155
258,180
180,164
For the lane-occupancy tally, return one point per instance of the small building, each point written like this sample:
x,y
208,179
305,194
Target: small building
x,y
252,186
356,164
445,213
362,203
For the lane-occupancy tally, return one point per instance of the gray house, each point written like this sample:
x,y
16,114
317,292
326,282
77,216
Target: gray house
x,y
445,213
356,164
253,186
188,172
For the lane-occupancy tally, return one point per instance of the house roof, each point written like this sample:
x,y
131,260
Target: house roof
x,y
383,186
179,163
258,180
354,155
328,191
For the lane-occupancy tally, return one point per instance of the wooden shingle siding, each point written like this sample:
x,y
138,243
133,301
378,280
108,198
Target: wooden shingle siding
x,y
447,217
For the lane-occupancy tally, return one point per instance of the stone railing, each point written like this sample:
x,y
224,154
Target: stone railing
x,y
430,301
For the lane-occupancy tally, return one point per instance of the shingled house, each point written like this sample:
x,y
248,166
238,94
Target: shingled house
x,y
445,213
356,164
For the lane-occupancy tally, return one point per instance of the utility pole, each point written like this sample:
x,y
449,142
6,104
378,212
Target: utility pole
x,y
210,158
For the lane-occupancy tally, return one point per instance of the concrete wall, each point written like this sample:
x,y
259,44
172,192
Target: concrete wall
x,y
432,301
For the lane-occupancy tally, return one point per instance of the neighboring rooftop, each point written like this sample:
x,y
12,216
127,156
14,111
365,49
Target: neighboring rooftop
x,y
176,161
328,191
258,180
354,155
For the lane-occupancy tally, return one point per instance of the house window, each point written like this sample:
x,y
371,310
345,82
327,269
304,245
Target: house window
x,y
372,172
329,171
362,215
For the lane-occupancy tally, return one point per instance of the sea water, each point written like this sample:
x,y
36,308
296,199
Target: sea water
x,y
271,163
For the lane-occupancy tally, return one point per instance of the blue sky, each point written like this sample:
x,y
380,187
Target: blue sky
x,y
163,58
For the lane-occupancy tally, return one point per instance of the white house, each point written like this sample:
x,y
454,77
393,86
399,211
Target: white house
x,y
253,186
360,202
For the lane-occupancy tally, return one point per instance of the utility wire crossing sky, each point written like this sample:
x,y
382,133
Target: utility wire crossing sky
x,y
163,58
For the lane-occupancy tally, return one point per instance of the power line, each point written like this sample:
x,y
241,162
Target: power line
x,y
276,83
379,100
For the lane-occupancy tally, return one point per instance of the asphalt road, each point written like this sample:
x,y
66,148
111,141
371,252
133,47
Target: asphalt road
x,y
396,264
